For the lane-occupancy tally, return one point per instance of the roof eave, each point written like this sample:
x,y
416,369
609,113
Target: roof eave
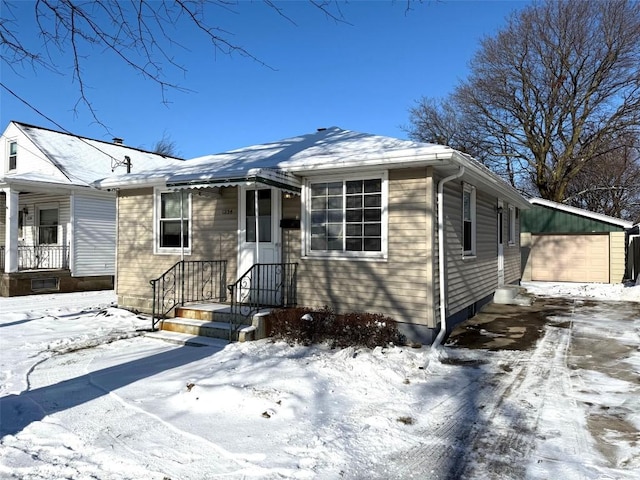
x,y
492,181
111,183
581,212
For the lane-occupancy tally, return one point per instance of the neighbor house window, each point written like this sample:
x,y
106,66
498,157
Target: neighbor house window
x,y
172,222
347,217
469,219
511,223
48,222
13,155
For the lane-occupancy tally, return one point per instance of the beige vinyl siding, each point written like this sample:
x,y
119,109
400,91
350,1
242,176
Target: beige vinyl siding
x,y
214,236
470,279
400,287
215,229
617,257
291,238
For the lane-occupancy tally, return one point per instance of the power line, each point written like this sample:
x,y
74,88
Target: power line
x,y
64,130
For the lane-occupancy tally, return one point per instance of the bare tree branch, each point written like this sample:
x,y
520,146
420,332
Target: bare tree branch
x,y
551,94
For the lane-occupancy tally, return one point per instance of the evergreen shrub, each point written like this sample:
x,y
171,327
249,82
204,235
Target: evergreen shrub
x,y
306,326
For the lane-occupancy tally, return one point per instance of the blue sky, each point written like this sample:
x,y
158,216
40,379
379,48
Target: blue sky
x,y
361,76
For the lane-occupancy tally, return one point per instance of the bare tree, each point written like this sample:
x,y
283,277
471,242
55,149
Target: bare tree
x,y
440,121
546,94
612,184
142,34
166,146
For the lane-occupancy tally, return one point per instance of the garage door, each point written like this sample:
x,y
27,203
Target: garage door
x,y
570,258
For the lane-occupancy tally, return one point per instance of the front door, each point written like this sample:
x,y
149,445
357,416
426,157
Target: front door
x,y
500,233
259,233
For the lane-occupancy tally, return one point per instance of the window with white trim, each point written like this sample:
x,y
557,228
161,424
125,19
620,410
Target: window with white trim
x,y
172,225
511,219
13,155
347,217
468,220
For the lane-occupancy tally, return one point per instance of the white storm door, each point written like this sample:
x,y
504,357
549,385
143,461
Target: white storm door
x,y
259,241
500,234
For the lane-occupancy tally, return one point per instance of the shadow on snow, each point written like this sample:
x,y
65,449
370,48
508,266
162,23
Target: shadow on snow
x,y
19,411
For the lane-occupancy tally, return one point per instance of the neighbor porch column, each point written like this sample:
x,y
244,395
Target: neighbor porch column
x,y
11,231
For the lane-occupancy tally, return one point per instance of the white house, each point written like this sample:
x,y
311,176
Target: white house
x,y
58,231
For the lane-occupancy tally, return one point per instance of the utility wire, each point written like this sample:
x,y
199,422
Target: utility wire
x,y
64,130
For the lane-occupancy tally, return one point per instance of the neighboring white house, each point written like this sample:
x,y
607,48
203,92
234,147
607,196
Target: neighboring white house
x,y
58,231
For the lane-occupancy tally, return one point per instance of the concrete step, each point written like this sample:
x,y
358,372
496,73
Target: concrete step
x,y
215,320
222,330
187,340
513,295
210,312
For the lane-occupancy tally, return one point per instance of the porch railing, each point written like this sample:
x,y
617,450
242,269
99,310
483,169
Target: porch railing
x,y
39,257
264,285
188,281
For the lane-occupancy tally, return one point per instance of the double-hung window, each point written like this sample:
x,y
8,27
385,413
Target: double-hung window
x,y
13,155
468,220
172,226
347,217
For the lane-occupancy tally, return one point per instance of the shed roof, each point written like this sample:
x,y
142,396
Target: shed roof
x,y
553,217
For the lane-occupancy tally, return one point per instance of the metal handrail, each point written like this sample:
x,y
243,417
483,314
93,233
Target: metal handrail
x,y
185,282
264,285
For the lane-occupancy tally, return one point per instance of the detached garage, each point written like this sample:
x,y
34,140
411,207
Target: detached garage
x,y
560,243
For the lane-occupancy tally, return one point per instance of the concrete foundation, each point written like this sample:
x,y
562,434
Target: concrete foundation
x,y
50,281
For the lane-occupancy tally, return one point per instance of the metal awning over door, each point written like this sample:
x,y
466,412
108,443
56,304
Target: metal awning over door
x,y
264,176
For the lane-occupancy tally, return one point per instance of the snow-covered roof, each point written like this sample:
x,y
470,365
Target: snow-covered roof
x,y
581,212
80,160
324,151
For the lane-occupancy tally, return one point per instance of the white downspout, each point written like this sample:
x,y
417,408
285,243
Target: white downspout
x,y
441,257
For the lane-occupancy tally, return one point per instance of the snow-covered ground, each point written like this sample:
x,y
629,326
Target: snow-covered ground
x,y
84,394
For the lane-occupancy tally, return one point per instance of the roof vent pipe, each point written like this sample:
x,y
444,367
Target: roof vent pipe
x,y
441,258
118,141
321,129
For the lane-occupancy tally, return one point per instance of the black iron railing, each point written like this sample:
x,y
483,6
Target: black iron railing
x,y
188,281
264,285
39,257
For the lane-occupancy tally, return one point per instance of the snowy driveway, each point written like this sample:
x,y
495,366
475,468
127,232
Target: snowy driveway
x,y
547,392
567,404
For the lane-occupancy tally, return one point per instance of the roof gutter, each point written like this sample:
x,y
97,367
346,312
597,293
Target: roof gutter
x,y
441,257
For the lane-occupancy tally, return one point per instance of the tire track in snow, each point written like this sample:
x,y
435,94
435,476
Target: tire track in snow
x,y
494,420
455,422
504,447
